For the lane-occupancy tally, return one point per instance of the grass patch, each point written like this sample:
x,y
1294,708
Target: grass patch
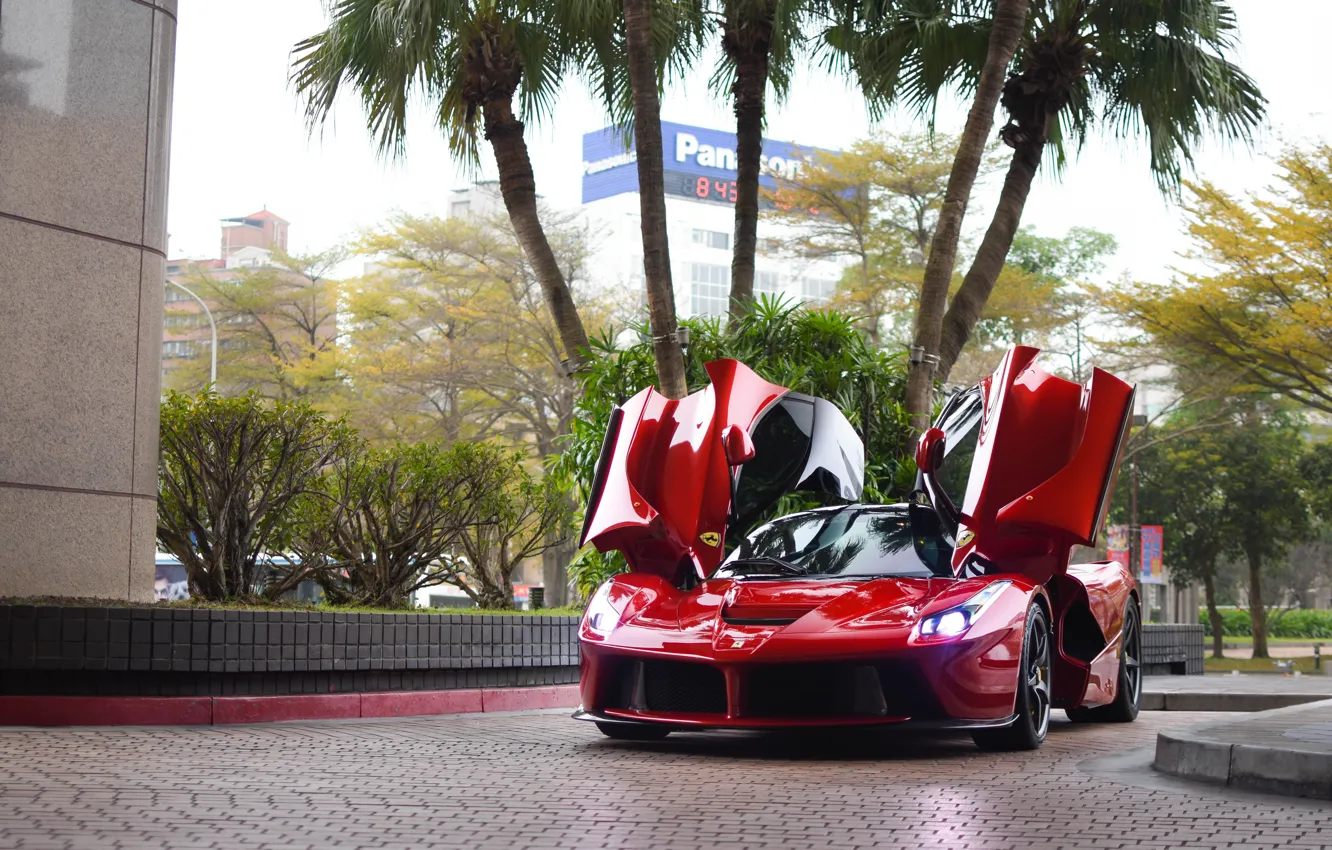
x,y
1247,640
1261,665
243,605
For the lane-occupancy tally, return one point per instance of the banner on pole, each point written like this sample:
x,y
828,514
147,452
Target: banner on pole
x,y
1153,544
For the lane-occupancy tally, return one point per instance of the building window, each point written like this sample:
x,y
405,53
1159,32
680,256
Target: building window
x,y
175,348
173,294
181,321
457,209
817,290
712,239
710,293
767,282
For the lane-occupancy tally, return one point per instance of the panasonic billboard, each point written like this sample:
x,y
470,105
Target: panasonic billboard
x,y
698,163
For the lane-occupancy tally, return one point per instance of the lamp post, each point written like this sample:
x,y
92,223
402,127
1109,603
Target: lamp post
x,y
212,327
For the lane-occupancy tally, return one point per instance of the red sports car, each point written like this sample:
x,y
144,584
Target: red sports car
x,y
957,610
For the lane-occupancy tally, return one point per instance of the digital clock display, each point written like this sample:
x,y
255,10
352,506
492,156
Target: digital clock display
x,y
699,187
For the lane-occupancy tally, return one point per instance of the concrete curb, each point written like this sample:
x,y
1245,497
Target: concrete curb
x,y
1193,753
218,711
1203,701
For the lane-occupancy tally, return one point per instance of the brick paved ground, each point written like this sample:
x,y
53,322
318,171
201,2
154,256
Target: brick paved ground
x,y
542,780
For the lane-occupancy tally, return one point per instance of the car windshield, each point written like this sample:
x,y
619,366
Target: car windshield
x,y
853,542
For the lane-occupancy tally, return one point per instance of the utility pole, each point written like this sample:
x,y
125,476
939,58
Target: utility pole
x,y
212,327
1135,530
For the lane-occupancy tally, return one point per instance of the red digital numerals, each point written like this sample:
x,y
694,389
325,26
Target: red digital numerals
x,y
709,189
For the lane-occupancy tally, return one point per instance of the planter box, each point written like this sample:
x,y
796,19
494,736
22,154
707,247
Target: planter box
x,y
86,651
1172,650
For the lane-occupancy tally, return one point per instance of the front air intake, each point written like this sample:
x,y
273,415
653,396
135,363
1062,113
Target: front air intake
x,y
678,687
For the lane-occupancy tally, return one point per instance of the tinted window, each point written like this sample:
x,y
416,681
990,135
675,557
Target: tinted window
x,y
855,541
781,443
960,423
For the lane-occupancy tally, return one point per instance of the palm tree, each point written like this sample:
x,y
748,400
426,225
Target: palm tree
x,y
907,53
644,79
760,42
1153,66
1157,67
469,60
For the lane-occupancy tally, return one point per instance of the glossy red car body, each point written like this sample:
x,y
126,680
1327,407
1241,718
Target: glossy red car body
x,y
678,648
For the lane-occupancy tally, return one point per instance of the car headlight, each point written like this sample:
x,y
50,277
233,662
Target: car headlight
x,y
954,621
601,617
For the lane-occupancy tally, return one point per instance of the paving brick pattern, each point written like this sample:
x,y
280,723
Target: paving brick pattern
x,y
543,780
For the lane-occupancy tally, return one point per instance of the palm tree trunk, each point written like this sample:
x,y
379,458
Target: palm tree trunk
x,y
751,83
1257,613
652,198
1213,614
1010,17
969,302
518,188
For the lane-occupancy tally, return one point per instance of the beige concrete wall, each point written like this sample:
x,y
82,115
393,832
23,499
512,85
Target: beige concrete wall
x,y
85,120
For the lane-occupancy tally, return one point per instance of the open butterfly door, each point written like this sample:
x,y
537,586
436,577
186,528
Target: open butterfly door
x,y
675,475
1043,452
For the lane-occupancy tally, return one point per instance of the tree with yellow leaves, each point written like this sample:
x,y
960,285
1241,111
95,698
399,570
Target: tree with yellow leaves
x,y
450,339
875,205
1260,315
277,328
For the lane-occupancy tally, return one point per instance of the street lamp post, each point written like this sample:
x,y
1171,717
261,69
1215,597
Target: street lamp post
x,y
212,327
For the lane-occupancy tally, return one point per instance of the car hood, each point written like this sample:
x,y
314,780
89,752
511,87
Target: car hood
x,y
733,614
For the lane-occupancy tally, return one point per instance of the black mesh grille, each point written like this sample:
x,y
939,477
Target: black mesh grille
x,y
907,692
814,690
672,686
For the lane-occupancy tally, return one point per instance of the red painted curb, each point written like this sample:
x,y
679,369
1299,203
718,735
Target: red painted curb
x,y
526,699
202,711
418,703
105,711
271,709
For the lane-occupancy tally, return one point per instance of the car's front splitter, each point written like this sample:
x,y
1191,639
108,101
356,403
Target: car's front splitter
x,y
704,722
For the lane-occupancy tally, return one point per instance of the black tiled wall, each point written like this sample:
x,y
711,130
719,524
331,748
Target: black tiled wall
x,y
110,650
1172,649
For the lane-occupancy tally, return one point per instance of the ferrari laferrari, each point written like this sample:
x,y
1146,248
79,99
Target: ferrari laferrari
x,y
959,609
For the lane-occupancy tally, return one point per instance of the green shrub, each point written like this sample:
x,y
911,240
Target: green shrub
x,y
228,473
1296,623
384,523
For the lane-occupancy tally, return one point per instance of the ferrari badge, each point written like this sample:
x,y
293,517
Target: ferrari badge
x,y
710,538
965,537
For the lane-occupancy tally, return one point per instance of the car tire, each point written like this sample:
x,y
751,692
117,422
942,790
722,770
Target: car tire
x,y
1128,694
1033,700
634,731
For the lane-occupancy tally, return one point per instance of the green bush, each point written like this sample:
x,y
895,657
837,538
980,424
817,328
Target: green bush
x,y
1297,623
819,353
228,473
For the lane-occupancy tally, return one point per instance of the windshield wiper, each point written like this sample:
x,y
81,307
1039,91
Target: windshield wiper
x,y
776,567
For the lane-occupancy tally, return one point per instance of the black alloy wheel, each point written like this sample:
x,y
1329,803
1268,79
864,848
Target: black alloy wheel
x,y
1032,705
1128,692
634,731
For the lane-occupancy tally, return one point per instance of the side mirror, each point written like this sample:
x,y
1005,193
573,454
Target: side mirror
x,y
930,452
737,446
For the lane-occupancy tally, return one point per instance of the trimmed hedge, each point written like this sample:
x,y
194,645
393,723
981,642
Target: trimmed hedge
x,y
1310,623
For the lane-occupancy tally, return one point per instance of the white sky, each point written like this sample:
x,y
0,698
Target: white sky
x,y
239,142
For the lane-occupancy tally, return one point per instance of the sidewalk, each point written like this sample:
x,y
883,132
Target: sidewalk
x,y
1284,751
1224,692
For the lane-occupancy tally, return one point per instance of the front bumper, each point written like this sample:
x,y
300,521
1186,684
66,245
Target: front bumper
x,y
962,685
